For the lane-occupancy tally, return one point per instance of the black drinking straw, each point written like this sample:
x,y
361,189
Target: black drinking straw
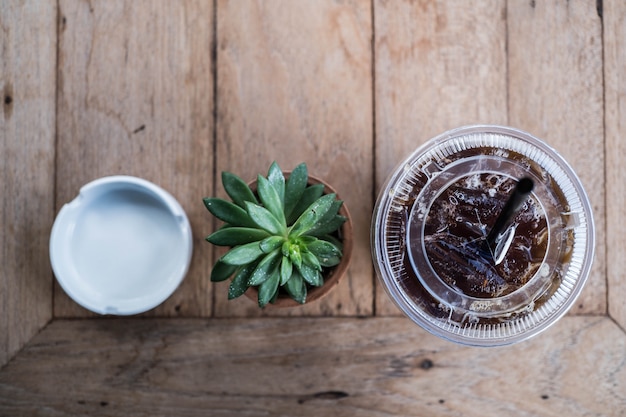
x,y
522,189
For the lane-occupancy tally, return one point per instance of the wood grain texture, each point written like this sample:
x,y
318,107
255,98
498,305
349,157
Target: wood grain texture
x,y
311,367
136,98
555,93
615,118
27,135
439,65
295,85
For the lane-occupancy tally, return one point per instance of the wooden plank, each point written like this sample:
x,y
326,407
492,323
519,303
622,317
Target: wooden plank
x,y
310,367
614,15
136,98
439,65
555,93
295,84
28,40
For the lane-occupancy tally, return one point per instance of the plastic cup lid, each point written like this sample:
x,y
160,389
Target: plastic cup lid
x,y
121,247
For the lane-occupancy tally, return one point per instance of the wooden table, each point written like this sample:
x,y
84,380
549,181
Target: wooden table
x,y
177,91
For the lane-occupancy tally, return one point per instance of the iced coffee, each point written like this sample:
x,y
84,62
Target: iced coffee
x,y
432,223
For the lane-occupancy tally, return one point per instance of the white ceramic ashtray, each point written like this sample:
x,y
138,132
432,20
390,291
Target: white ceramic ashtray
x,y
121,247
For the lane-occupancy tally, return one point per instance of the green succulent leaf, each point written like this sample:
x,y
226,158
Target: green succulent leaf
x,y
329,227
285,248
330,222
242,255
271,200
311,260
237,189
265,269
264,219
312,215
332,239
268,290
322,248
276,178
304,240
330,261
296,287
239,284
332,211
222,271
311,275
228,212
286,269
271,243
327,253
275,297
233,236
294,255
296,184
309,196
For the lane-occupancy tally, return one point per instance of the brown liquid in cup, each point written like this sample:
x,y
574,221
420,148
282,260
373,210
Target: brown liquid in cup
x,y
457,223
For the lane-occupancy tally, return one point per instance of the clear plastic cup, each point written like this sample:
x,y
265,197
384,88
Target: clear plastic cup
x,y
432,217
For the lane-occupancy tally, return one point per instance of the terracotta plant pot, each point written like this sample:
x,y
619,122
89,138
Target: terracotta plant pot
x,y
331,275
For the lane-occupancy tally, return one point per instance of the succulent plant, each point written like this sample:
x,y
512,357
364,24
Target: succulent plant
x,y
284,235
